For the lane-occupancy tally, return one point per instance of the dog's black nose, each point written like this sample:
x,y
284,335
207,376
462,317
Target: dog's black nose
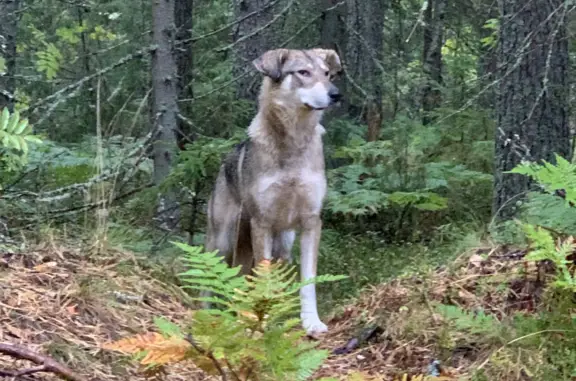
x,y
334,94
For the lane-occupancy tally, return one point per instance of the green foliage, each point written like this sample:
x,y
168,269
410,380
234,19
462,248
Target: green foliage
x,y
478,323
549,229
254,333
71,35
548,226
49,61
550,177
200,162
15,135
550,211
493,25
544,248
398,181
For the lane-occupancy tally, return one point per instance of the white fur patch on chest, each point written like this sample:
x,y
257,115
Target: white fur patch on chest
x,y
291,194
315,184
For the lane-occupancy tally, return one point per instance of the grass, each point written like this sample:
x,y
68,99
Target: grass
x,y
369,261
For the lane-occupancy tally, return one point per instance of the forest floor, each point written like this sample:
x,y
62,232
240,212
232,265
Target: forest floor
x,y
66,303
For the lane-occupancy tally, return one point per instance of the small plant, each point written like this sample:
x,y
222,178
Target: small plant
x,y
15,134
546,243
253,336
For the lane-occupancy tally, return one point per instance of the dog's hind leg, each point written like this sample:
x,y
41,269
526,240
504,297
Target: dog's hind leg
x,y
223,214
282,245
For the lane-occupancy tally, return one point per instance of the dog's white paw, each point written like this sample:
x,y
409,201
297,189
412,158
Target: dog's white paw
x,y
313,325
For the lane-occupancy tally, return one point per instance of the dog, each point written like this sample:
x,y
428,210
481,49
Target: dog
x,y
273,184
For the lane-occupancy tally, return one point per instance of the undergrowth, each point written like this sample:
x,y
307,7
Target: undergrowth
x,y
254,335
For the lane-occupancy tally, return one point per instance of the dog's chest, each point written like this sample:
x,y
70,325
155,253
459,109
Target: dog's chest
x,y
289,195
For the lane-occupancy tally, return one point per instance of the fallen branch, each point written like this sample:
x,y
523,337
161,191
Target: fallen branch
x,y
45,364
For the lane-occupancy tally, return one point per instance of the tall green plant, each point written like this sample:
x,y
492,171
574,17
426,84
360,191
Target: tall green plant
x,y
253,336
546,244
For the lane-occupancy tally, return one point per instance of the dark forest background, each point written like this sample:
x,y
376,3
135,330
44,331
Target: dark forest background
x,y
133,103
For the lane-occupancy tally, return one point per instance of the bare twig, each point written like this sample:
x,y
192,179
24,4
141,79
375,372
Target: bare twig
x,y
45,364
229,25
250,69
138,54
420,20
258,30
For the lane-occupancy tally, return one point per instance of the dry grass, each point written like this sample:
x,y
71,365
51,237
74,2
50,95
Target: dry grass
x,y
60,302
65,304
491,279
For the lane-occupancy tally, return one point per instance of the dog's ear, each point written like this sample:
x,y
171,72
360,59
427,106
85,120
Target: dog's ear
x,y
270,63
331,58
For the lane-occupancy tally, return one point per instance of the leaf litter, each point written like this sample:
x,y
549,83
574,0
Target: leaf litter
x,y
67,305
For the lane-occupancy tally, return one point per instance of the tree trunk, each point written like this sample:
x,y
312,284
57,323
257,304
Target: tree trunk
x,y
333,36
164,81
183,14
8,32
332,28
364,55
532,104
88,119
488,58
432,57
256,33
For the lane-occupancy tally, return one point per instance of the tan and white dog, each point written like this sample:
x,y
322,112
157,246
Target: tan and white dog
x,y
273,184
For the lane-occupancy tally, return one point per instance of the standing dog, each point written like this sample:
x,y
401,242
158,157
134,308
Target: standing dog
x,y
274,183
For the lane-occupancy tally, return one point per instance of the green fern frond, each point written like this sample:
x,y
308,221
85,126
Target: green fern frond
x,y
257,324
552,177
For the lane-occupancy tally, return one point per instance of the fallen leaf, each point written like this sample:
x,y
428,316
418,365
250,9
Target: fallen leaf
x,y
72,310
16,332
45,267
159,350
476,260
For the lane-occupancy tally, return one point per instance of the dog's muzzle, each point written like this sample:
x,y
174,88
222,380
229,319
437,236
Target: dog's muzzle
x,y
334,94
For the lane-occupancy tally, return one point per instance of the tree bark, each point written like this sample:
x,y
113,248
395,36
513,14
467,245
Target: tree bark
x,y
88,118
164,82
432,57
488,58
532,104
364,55
333,36
255,34
183,14
8,33
332,28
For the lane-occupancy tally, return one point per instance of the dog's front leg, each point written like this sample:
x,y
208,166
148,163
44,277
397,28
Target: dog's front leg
x,y
261,241
309,257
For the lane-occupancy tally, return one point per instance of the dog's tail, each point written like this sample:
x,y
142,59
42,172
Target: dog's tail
x,y
243,253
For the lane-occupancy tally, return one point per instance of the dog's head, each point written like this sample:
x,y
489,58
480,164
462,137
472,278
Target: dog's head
x,y
302,76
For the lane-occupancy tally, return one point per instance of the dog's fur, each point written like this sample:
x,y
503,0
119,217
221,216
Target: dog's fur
x,y
274,183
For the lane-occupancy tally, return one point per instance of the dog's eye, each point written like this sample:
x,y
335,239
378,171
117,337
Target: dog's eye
x,y
327,73
304,73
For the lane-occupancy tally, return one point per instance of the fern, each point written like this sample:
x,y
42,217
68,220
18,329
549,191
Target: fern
x,y
550,177
543,246
253,335
479,323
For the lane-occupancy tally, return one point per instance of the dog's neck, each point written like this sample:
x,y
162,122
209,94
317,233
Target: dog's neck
x,y
289,128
